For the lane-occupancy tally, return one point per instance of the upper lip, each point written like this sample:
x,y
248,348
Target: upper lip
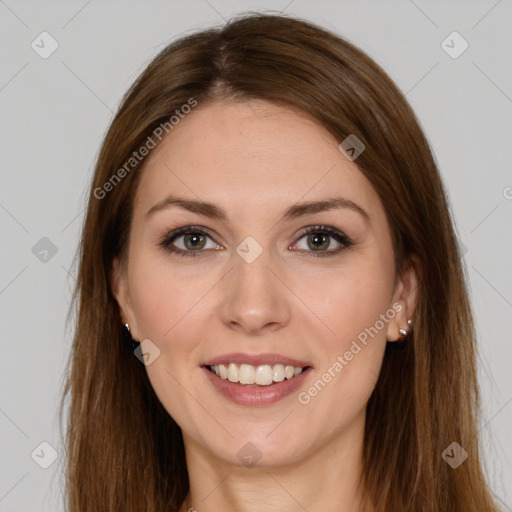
x,y
256,360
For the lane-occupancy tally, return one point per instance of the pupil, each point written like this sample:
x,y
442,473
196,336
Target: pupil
x,y
319,237
195,240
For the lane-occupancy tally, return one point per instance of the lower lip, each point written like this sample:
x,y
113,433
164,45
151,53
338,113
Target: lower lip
x,y
255,396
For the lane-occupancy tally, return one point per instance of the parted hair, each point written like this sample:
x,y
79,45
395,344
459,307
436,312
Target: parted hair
x,y
124,452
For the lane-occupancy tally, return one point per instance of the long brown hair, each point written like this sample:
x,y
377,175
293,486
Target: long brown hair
x,y
123,450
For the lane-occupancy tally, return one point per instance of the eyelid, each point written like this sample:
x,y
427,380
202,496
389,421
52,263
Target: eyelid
x,y
171,236
340,237
167,236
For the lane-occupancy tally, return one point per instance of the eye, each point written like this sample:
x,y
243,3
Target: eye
x,y
319,238
189,241
193,240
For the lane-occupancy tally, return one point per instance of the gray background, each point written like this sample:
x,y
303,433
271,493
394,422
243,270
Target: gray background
x,y
54,112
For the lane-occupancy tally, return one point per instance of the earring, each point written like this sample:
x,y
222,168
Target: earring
x,y
401,342
128,337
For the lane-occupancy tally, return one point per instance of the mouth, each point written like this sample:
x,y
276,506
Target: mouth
x,y
249,375
256,380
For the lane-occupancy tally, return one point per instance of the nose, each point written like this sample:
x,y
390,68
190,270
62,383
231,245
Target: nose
x,y
255,300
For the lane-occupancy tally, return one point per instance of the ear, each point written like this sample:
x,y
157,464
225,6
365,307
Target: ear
x,y
405,300
120,289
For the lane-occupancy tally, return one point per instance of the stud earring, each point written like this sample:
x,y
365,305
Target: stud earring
x,y
128,337
401,342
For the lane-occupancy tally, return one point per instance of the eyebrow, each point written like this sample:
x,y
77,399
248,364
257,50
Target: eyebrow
x,y
294,211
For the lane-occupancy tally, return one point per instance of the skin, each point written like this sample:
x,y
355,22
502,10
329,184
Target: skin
x,y
254,159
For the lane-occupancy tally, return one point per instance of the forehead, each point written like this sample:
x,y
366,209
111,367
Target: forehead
x,y
251,157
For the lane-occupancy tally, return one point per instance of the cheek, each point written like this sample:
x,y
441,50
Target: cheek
x,y
353,305
163,295
347,300
167,304
350,349
154,305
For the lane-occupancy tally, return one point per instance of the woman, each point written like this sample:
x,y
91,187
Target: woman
x,y
266,223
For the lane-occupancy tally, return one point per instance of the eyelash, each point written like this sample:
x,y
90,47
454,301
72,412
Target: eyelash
x,y
332,232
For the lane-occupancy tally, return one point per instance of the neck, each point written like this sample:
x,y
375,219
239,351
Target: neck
x,y
327,479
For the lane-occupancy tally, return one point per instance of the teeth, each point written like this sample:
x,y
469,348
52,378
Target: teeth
x,y
233,372
246,374
278,373
262,375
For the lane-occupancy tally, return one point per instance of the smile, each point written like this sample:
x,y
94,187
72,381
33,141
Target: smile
x,y
262,375
253,394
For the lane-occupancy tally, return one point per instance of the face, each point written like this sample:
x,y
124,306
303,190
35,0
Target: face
x,y
240,282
